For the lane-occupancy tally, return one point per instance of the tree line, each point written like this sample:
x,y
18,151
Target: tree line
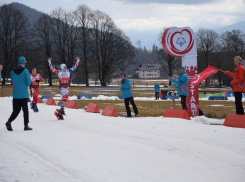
x,y
212,49
63,35
103,47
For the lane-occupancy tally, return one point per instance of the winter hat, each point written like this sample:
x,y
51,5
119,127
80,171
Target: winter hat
x,y
238,58
181,68
123,74
22,60
62,66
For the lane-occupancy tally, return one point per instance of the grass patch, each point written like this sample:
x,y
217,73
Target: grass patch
x,y
146,108
156,109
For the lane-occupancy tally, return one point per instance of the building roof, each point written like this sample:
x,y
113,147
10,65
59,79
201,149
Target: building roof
x,y
148,67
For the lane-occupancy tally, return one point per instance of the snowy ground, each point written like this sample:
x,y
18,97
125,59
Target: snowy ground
x,y
90,147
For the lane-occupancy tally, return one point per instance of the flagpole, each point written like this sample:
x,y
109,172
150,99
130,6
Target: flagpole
x,y
222,70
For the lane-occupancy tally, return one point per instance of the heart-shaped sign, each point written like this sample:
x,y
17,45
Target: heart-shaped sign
x,y
178,41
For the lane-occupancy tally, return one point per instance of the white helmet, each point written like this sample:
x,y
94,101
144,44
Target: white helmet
x,y
62,66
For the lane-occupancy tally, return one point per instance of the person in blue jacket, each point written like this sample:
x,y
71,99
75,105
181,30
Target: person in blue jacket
x,y
126,88
183,86
157,89
1,67
20,78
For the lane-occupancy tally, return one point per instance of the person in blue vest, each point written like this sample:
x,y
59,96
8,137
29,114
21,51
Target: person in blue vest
x,y
157,89
126,88
183,85
20,78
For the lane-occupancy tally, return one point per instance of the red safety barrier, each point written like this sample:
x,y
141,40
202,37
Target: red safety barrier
x,y
234,120
51,101
39,100
71,104
93,108
109,111
175,113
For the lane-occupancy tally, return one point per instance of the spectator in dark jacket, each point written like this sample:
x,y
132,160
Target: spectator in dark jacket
x,y
126,88
20,78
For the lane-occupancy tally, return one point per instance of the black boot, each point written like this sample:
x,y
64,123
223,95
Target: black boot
x,y
27,128
61,111
8,126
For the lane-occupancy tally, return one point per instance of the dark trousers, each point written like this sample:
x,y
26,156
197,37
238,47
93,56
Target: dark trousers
x,y
17,105
238,103
183,102
126,101
157,95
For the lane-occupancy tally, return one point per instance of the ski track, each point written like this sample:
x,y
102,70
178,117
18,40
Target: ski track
x,y
41,159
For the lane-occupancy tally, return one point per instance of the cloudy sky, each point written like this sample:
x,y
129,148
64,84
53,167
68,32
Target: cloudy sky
x,y
143,18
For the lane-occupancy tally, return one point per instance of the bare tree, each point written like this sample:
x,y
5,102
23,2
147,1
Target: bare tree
x,y
111,50
13,31
234,42
65,36
83,16
44,39
207,41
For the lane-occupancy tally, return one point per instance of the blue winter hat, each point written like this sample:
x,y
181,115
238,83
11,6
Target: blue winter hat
x,y
22,60
181,68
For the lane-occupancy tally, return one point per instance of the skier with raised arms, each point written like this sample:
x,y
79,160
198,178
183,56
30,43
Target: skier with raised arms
x,y
64,84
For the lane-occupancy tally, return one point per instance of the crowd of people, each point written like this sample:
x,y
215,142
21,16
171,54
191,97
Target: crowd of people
x,y
21,79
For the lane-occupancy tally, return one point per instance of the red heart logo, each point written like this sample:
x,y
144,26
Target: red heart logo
x,y
172,43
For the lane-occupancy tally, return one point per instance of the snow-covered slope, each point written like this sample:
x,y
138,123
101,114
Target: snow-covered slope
x,y
93,148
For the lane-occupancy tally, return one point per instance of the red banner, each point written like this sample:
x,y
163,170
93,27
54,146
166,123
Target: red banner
x,y
192,101
209,71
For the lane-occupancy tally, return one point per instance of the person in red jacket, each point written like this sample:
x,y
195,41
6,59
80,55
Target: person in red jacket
x,y
35,79
238,83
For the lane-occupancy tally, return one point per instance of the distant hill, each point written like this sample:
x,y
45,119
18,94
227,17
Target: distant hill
x,y
30,13
239,25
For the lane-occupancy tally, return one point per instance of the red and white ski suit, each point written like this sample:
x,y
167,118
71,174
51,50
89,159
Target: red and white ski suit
x,y
64,80
35,86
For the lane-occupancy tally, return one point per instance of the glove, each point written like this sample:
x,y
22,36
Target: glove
x,y
37,80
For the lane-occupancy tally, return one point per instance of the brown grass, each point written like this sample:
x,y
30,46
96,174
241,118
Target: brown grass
x,y
146,108
157,108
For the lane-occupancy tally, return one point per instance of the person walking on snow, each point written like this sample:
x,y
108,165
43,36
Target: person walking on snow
x,y
126,88
238,83
157,88
183,85
35,79
20,78
64,84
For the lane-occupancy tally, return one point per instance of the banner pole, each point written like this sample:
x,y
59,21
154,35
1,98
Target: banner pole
x,y
222,70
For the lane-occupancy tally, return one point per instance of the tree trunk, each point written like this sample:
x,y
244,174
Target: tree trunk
x,y
50,77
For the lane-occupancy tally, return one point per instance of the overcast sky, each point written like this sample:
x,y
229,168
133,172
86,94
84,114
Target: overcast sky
x,y
153,15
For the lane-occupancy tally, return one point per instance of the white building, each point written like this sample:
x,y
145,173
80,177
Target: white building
x,y
148,70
